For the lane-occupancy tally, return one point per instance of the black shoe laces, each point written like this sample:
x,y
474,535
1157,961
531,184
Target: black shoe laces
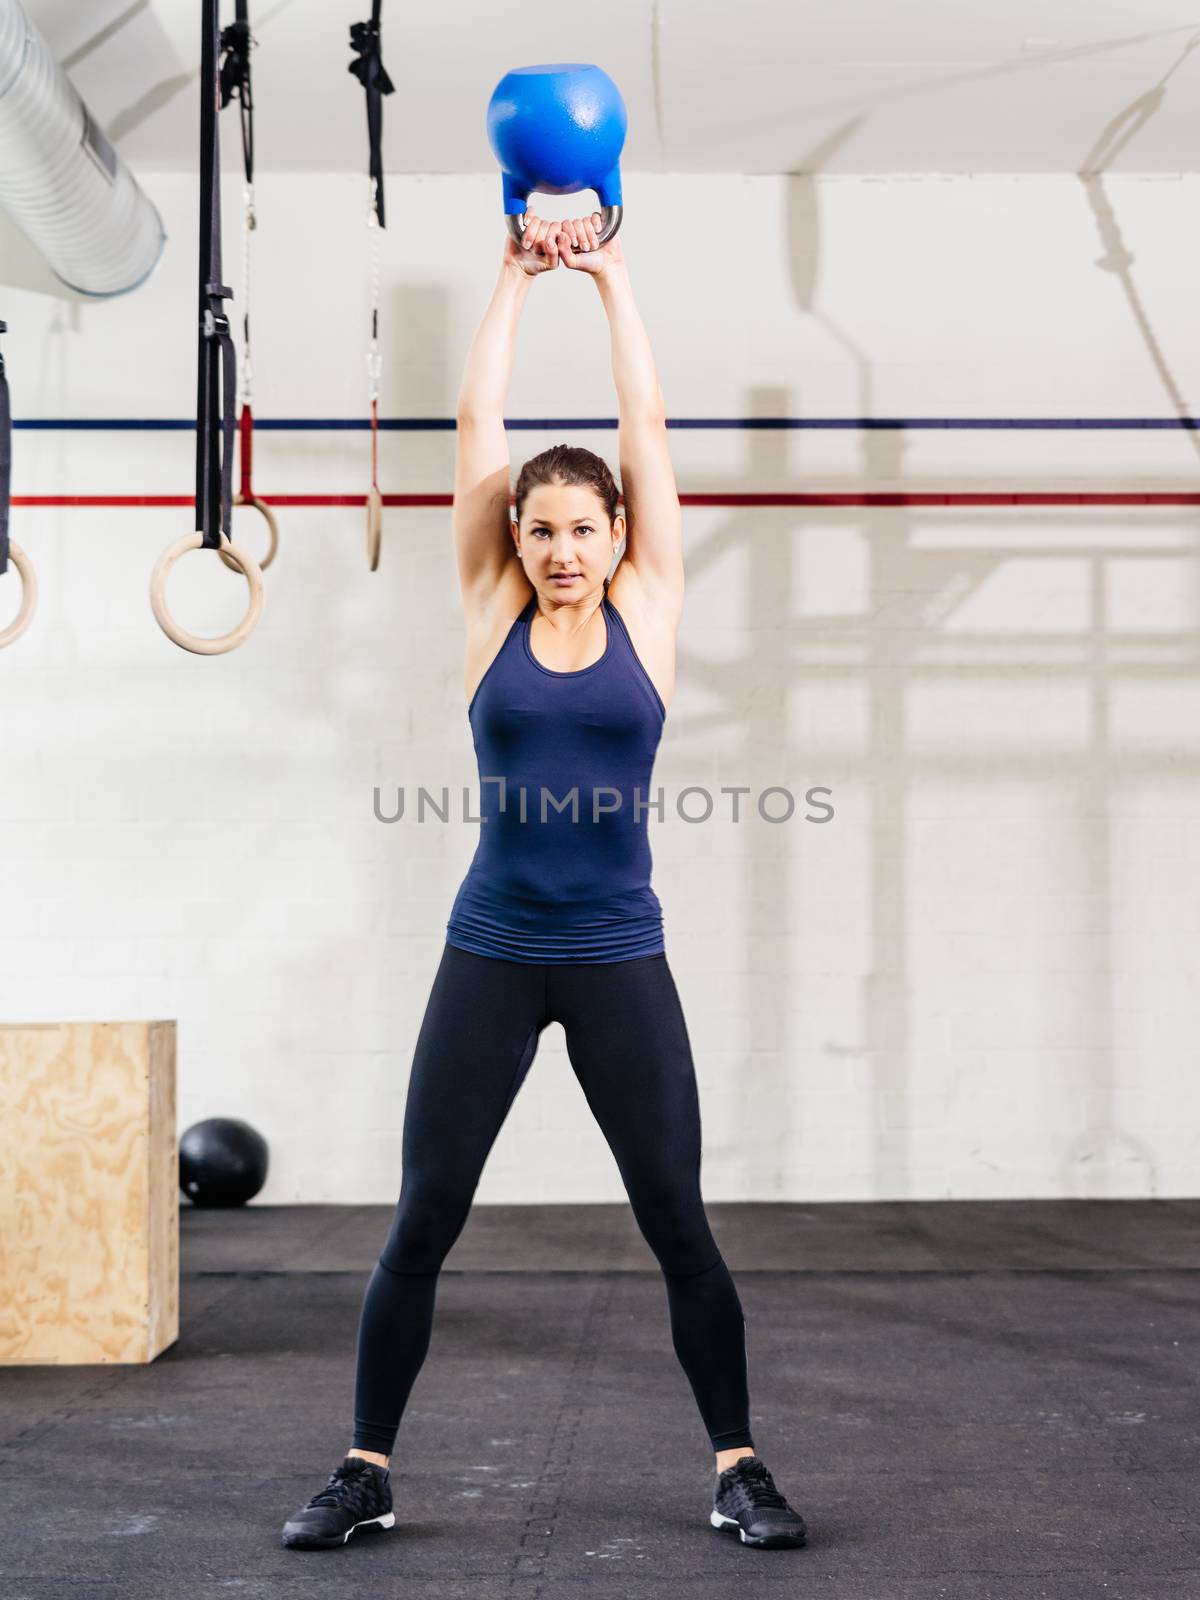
x,y
759,1486
346,1485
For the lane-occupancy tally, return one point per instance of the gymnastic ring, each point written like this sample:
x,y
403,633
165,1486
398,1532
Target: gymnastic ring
x,y
374,526
28,595
264,511
193,641
610,221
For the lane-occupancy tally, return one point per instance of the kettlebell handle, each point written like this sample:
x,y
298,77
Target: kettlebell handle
x,y
610,221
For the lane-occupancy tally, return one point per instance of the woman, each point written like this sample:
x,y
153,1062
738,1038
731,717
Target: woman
x,y
568,677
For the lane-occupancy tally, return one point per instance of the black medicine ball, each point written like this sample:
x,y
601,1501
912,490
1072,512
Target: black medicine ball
x,y
222,1162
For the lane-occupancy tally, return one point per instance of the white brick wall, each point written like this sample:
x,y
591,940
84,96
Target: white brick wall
x,y
978,980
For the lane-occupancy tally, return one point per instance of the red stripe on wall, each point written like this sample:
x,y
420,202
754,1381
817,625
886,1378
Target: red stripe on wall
x,y
886,498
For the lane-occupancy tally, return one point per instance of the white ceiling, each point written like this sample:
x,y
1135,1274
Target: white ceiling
x,y
839,86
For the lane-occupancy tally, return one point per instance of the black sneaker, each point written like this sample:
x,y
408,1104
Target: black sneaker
x,y
748,1503
358,1495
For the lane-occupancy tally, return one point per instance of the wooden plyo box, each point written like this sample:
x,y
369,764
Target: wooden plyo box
x,y
89,1193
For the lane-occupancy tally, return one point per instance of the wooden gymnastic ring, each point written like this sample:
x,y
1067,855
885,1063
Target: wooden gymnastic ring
x,y
374,527
268,515
192,641
29,590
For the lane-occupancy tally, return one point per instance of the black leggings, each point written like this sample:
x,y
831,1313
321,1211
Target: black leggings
x,y
629,1048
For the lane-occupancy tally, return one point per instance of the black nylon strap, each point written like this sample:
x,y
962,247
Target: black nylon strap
x,y
371,73
236,43
228,426
5,460
215,402
235,79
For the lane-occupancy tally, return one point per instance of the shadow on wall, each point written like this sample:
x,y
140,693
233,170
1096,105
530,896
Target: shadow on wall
x,y
923,616
929,615
877,99
1117,257
165,90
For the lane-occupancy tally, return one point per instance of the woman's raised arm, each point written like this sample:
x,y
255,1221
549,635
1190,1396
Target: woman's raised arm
x,y
653,519
483,543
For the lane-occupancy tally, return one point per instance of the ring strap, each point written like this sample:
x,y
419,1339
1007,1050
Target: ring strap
x,y
369,69
235,79
246,438
216,389
5,460
236,43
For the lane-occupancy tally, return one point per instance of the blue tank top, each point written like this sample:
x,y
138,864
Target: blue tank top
x,y
562,871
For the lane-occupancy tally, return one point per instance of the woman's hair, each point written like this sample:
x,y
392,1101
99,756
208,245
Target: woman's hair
x,y
569,464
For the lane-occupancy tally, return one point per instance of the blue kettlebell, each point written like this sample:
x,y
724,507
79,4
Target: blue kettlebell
x,y
558,129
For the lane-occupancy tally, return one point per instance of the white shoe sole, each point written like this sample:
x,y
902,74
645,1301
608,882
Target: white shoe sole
x,y
786,1542
387,1520
718,1521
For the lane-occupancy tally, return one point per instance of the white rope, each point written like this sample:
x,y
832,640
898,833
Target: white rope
x,y
249,223
374,358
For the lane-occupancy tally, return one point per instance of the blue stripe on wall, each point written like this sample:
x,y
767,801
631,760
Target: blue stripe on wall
x,y
552,424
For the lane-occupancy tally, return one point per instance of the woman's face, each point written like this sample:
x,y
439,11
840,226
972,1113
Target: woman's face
x,y
566,542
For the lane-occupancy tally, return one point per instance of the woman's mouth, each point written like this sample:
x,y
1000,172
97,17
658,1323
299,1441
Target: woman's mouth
x,y
563,577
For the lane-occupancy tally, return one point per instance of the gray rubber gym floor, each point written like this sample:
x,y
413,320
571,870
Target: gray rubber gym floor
x,y
974,1400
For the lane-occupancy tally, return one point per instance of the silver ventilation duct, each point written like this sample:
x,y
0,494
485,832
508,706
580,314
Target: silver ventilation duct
x,y
61,181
